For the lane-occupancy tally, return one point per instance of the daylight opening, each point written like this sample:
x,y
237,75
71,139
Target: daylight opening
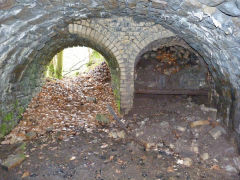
x,y
75,96
74,61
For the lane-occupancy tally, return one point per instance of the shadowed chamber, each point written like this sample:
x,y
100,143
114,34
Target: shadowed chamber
x,y
174,70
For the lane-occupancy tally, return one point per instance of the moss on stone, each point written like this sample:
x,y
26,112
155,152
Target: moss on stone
x,y
115,78
10,119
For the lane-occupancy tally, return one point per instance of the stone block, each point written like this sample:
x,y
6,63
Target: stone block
x,y
211,2
230,8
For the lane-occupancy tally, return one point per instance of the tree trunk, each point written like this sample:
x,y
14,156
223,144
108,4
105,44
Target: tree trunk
x,y
59,65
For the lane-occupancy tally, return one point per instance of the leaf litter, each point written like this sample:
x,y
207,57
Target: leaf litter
x,y
65,106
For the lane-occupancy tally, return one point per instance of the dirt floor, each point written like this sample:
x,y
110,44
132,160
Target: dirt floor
x,y
186,143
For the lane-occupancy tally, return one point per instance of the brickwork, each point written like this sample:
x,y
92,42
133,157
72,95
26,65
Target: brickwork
x,y
124,39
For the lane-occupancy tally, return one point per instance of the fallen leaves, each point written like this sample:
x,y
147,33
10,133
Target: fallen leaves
x,y
64,106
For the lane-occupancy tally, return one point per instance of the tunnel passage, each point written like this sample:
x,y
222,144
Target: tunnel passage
x,y
32,30
173,68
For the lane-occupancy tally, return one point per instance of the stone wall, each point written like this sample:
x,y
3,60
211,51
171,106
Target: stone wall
x,y
32,31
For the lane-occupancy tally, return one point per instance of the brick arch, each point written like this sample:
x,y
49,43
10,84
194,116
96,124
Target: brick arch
x,y
102,40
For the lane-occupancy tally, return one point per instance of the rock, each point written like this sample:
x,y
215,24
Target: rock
x,y
164,124
211,112
179,161
117,134
121,134
187,162
194,148
236,161
230,168
217,132
113,135
204,156
171,146
199,123
14,160
211,2
180,128
102,119
207,109
229,8
238,3
209,10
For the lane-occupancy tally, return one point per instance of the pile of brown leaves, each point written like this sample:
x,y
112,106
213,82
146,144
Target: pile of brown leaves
x,y
101,73
63,106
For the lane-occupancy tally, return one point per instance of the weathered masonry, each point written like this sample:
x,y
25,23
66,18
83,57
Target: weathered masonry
x,y
33,31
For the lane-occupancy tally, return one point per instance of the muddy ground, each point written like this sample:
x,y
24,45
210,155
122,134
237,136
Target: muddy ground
x,y
104,154
67,133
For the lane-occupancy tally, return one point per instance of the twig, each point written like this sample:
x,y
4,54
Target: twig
x,y
123,127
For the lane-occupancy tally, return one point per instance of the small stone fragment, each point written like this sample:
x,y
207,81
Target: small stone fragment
x,y
207,109
179,161
180,128
199,123
104,146
217,132
236,161
194,148
113,134
72,158
204,156
164,124
230,168
172,146
14,160
121,134
187,162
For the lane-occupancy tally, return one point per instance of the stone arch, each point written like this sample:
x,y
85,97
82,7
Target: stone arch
x,y
172,41
225,91
26,78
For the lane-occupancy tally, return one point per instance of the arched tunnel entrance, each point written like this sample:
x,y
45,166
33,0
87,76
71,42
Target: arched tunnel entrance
x,y
179,48
77,87
172,69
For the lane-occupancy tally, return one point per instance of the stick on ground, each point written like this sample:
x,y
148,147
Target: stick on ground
x,y
123,127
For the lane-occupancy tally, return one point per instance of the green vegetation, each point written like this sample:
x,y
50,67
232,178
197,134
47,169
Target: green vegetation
x,y
55,67
10,119
95,58
59,65
116,87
